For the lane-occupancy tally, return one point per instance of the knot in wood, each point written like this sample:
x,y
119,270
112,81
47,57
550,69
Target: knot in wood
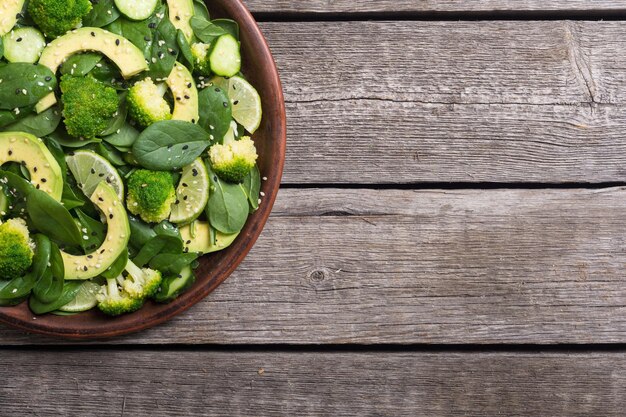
x,y
319,274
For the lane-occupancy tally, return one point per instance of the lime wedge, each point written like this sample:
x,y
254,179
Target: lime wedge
x,y
245,100
90,169
85,298
192,193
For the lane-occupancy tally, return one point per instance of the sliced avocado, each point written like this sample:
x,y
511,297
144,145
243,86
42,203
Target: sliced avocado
x,y
181,12
4,203
185,94
10,10
199,241
115,242
124,54
26,149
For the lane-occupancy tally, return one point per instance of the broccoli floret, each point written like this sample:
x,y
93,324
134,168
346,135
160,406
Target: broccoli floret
x,y
234,159
151,195
201,62
114,300
56,17
141,282
16,249
88,105
146,104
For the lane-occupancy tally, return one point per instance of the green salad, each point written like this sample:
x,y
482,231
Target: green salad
x,y
125,150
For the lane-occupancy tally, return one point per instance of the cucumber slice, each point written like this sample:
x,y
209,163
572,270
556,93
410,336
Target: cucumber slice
x,y
23,45
225,57
137,9
173,286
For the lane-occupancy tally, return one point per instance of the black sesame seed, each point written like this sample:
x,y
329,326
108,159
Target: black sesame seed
x,y
10,152
177,202
93,34
185,197
189,85
101,199
187,97
18,91
217,89
152,25
194,172
44,180
236,102
185,184
178,99
177,17
18,40
85,268
101,175
185,147
117,42
93,171
110,216
37,186
173,52
193,120
102,251
35,169
188,242
89,256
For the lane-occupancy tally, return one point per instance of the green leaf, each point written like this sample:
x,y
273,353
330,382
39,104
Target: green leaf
x,y
8,117
185,49
51,218
39,125
49,288
18,287
252,187
215,112
200,9
126,136
116,267
119,119
205,30
140,232
229,25
103,12
228,205
169,263
56,261
81,64
70,289
43,248
92,232
170,145
36,81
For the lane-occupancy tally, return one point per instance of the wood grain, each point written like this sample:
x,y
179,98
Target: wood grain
x,y
454,6
396,266
414,102
338,384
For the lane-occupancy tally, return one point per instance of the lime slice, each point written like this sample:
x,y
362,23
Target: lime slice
x,y
85,298
90,169
246,102
192,193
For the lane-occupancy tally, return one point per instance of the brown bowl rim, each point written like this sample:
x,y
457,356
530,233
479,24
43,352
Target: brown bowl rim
x,y
92,325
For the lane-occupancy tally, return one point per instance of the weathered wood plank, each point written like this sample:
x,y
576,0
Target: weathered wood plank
x,y
504,101
429,6
364,266
209,383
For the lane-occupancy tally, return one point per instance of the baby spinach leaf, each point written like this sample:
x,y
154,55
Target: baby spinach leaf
x,y
43,248
51,218
24,84
215,112
63,138
92,232
21,286
252,187
8,117
102,13
170,145
185,49
81,64
70,289
163,51
69,199
117,267
125,137
170,263
49,288
39,125
140,232
56,261
205,30
18,287
228,206
200,9
119,119
229,25
110,153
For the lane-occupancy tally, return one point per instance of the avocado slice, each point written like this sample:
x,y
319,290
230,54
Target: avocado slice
x,y
10,10
185,93
115,242
124,54
24,148
181,12
200,241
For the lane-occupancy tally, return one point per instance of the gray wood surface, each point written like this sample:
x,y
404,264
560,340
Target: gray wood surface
x,y
417,6
372,266
337,384
410,102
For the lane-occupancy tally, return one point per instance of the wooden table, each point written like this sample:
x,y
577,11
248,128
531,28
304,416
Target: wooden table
x,y
450,238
